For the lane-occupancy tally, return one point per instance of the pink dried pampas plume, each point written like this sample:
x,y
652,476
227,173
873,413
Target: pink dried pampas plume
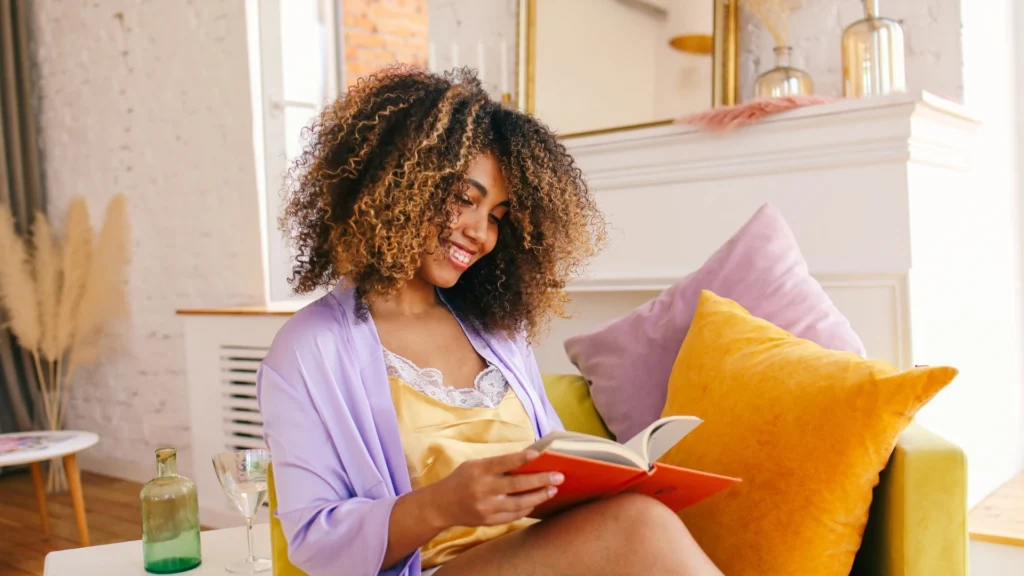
x,y
727,118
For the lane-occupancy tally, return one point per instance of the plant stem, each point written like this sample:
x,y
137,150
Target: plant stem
x,y
43,387
57,386
67,380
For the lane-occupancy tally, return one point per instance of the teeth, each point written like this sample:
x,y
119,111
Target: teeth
x,y
460,254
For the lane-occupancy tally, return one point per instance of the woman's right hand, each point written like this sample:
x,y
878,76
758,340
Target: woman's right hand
x,y
481,493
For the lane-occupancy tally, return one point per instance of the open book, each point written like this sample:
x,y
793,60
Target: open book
x,y
596,467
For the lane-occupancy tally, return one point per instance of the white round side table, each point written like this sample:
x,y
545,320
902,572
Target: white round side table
x,y
34,448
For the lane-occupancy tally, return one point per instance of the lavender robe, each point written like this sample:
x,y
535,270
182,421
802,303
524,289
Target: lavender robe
x,y
331,427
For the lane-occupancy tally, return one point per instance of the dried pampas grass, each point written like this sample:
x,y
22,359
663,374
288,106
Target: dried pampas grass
x,y
47,280
774,16
17,284
61,297
103,298
47,268
75,267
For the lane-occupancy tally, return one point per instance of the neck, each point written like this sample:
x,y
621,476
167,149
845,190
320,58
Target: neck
x,y
417,297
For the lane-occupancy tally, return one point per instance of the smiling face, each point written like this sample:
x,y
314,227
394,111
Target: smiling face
x,y
482,204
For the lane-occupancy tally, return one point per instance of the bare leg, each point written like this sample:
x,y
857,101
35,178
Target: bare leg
x,y
627,534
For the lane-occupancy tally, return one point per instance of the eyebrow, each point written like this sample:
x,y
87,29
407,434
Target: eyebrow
x,y
483,189
478,186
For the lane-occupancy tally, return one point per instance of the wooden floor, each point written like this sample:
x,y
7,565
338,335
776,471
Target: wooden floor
x,y
112,509
999,518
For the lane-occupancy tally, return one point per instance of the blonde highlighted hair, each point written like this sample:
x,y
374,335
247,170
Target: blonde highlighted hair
x,y
377,181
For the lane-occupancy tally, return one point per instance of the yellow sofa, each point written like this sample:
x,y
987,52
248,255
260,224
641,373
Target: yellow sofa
x,y
918,520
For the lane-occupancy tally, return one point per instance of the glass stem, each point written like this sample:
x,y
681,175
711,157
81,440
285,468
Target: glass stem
x,y
248,533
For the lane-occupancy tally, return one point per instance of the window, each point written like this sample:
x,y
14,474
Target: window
x,y
285,99
303,52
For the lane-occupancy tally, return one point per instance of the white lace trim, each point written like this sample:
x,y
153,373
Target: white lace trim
x,y
489,386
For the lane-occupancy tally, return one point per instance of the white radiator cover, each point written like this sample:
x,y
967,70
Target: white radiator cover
x,y
856,180
222,354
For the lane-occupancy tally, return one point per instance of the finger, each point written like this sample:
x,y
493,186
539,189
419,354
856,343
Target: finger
x,y
528,482
527,500
508,462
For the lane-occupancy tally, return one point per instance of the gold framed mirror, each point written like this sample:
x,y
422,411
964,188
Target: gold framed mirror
x,y
595,66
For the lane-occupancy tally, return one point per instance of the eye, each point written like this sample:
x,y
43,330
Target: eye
x,y
465,200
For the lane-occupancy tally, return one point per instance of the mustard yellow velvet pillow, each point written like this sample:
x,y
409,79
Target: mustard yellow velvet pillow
x,y
569,395
807,429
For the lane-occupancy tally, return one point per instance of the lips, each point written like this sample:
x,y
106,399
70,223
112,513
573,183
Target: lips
x,y
460,254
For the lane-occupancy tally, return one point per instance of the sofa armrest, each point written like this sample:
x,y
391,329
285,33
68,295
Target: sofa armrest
x,y
918,520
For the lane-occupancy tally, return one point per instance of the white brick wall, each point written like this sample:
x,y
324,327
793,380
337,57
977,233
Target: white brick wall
x,y
931,30
152,99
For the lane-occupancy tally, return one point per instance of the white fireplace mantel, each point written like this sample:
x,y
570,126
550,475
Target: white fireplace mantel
x,y
841,173
867,186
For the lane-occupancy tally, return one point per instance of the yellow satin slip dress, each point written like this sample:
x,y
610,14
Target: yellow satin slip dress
x,y
442,427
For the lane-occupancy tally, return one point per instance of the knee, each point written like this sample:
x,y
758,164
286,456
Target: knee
x,y
644,525
640,531
644,515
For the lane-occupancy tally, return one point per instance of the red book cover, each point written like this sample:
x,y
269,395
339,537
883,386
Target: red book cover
x,y
587,480
680,488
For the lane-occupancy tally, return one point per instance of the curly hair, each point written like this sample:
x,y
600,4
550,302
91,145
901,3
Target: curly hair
x,y
377,184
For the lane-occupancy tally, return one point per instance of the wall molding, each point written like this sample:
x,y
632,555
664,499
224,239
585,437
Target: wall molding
x,y
895,285
823,137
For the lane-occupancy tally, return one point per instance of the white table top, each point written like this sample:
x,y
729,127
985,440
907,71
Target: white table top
x,y
57,443
219,548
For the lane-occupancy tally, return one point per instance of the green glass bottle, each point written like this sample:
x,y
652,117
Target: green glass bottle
x,y
170,519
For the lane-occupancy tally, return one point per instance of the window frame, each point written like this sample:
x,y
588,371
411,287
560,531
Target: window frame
x,y
266,67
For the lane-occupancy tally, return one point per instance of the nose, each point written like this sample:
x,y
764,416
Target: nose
x,y
475,226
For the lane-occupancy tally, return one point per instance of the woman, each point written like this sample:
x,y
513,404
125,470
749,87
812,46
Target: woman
x,y
395,405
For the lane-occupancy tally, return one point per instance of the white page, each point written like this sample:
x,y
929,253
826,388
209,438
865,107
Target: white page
x,y
668,435
661,436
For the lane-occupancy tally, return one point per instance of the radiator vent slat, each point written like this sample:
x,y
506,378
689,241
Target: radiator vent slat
x,y
241,422
244,430
241,404
233,365
239,389
246,444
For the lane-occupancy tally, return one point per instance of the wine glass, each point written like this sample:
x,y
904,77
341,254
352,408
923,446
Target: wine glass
x,y
243,476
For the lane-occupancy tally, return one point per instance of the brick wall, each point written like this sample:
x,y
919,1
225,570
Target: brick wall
x,y
152,99
931,29
376,33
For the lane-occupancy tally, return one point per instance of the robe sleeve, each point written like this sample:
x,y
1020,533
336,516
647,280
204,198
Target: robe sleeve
x,y
329,530
537,381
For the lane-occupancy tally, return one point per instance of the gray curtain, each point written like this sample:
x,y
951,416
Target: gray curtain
x,y
21,188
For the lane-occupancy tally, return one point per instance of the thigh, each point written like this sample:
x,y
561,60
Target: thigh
x,y
548,547
600,538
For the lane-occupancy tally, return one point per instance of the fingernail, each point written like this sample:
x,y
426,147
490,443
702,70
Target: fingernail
x,y
531,454
557,478
552,491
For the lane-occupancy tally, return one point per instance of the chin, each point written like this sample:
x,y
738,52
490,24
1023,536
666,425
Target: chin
x,y
443,278
447,282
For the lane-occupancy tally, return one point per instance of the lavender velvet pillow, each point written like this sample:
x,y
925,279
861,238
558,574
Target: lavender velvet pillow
x,y
628,360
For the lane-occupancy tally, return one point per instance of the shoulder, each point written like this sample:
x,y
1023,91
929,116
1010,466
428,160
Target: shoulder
x,y
522,345
518,349
323,331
